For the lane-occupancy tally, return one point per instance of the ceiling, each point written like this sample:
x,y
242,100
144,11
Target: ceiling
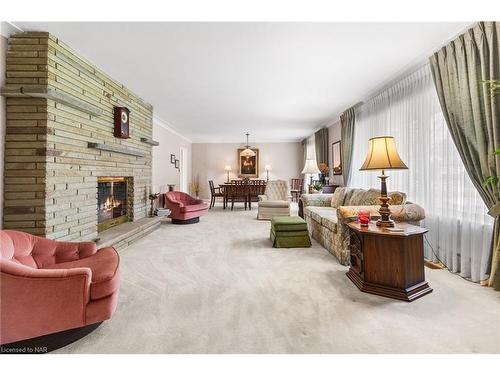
x,y
212,82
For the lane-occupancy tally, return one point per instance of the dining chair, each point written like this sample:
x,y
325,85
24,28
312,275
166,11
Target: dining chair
x,y
256,188
215,192
297,186
237,192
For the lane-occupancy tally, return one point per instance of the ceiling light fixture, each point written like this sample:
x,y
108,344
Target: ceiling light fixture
x,y
247,152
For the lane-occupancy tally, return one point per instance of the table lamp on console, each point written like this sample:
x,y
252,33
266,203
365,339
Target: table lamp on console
x,y
310,167
383,155
267,168
227,169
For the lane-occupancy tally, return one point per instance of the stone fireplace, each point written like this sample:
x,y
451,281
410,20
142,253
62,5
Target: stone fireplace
x,y
61,156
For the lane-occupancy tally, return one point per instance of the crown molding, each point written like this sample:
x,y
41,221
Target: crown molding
x,y
252,143
165,125
8,28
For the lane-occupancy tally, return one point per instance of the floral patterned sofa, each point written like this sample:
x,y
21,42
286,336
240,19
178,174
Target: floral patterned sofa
x,y
327,214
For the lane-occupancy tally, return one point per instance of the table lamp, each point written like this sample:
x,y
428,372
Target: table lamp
x,y
227,168
267,168
310,167
382,155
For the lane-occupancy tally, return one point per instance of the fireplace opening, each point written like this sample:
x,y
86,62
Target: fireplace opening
x,y
111,202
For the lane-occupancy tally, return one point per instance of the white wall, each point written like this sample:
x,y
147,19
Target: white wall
x,y
209,159
164,172
3,50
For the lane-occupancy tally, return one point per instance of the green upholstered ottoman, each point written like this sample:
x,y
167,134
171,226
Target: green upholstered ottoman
x,y
289,231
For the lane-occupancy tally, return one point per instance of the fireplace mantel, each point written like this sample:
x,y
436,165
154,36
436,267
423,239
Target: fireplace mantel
x,y
117,149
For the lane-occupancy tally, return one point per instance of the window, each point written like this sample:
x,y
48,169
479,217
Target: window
x,y
460,230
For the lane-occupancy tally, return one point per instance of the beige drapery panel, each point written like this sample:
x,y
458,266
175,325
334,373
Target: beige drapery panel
x,y
472,114
347,120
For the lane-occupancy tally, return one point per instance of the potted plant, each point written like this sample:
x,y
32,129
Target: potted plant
x,y
195,187
316,187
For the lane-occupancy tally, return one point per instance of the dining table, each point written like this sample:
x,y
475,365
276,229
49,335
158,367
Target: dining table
x,y
250,190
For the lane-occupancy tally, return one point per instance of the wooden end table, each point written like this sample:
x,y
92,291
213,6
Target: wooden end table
x,y
386,263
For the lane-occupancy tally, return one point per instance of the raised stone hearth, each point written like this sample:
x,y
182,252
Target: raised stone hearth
x,y
57,104
123,235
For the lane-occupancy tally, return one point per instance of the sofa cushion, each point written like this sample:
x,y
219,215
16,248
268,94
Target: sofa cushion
x,y
194,207
330,222
317,213
338,197
274,203
104,267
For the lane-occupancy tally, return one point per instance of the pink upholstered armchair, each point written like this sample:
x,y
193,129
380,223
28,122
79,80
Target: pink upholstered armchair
x,y
48,286
185,209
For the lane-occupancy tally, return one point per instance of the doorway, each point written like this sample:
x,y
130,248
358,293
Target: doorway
x,y
183,166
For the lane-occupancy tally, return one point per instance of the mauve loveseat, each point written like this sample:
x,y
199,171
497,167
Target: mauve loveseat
x,y
184,208
49,286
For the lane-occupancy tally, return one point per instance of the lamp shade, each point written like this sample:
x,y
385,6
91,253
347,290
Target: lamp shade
x,y
310,166
267,167
247,153
227,168
382,154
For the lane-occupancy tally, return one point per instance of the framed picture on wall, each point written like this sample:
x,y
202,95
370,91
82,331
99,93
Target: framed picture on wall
x,y
172,159
248,166
176,162
336,158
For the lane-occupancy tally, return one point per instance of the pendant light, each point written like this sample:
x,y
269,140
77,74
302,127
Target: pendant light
x,y
247,152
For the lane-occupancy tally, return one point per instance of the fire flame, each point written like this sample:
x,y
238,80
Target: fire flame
x,y
110,203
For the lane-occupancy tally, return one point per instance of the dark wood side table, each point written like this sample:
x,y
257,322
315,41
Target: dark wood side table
x,y
329,189
389,264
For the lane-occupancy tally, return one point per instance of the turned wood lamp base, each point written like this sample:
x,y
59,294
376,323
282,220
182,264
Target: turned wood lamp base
x,y
385,212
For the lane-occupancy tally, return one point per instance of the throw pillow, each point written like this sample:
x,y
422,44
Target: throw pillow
x,y
356,198
338,197
371,198
397,197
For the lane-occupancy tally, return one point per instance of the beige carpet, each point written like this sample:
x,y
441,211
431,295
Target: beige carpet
x,y
219,287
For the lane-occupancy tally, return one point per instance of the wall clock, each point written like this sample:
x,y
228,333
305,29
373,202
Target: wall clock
x,y
122,122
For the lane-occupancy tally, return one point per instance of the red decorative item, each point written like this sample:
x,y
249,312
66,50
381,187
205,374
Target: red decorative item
x,y
364,218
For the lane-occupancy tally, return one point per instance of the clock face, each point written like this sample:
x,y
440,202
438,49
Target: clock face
x,y
124,117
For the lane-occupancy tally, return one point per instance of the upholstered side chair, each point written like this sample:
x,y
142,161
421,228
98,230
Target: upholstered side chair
x,y
275,201
52,287
184,208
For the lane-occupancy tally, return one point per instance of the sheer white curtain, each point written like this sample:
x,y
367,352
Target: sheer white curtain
x,y
460,230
